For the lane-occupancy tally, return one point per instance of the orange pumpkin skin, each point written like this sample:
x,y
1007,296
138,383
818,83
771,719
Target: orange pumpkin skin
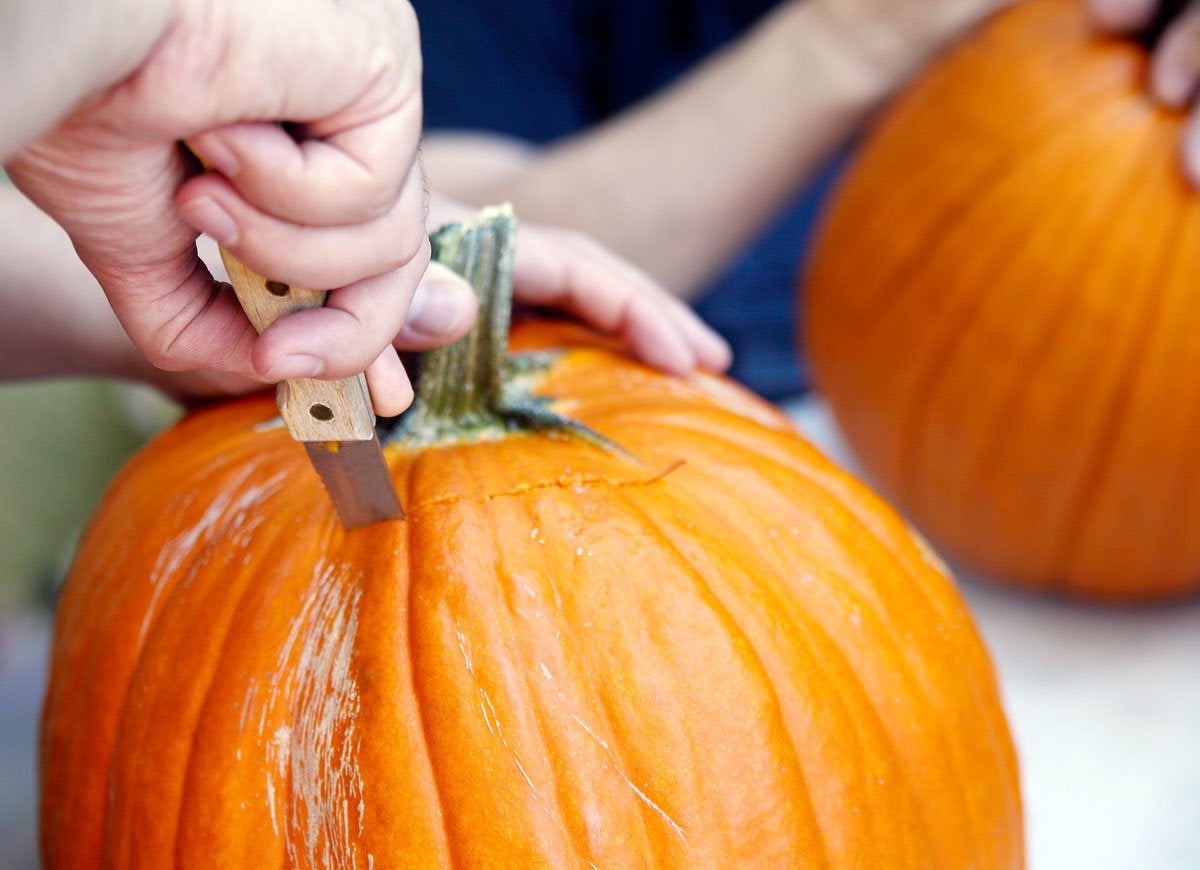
x,y
1002,311
723,653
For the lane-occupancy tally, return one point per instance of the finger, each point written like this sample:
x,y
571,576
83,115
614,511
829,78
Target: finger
x,y
563,270
1122,16
651,337
711,349
1190,146
198,326
333,67
359,322
442,311
573,273
388,383
344,179
647,327
1175,69
306,256
345,336
667,312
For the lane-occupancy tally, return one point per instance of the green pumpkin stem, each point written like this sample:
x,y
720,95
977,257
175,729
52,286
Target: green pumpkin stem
x,y
472,388
462,380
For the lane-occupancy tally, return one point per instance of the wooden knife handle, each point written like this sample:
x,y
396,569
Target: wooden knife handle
x,y
312,409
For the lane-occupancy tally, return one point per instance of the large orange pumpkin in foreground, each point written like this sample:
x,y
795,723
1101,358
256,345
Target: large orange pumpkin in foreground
x,y
704,647
1004,311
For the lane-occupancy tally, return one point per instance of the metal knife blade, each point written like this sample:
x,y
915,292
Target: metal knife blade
x,y
332,418
357,478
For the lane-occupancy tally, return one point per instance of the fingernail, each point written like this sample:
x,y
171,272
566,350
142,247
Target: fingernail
x,y
439,309
296,365
209,217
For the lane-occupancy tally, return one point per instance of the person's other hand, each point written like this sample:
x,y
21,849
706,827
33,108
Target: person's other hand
x,y
563,269
569,271
1174,67
336,201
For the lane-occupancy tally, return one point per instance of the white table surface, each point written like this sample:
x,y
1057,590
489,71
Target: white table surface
x,y
1104,704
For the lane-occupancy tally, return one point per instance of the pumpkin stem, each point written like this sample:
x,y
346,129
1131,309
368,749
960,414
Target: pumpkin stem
x,y
459,380
472,388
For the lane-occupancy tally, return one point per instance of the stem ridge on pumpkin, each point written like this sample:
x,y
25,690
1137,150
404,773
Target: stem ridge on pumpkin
x,y
472,388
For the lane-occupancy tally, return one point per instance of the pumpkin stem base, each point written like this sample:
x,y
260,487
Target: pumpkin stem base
x,y
472,388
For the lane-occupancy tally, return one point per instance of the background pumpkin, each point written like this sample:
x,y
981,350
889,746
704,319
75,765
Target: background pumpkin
x,y
713,650
1003,306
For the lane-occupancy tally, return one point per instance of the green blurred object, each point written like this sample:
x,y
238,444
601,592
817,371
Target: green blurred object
x,y
60,444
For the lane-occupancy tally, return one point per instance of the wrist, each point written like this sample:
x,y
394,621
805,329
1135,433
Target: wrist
x,y
883,43
848,68
143,25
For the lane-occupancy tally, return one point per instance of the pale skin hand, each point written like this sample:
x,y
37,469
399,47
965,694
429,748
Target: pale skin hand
x,y
681,182
564,269
57,322
340,206
1175,67
55,53
341,209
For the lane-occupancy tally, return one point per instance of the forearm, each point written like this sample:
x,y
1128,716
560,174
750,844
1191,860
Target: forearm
x,y
56,320
681,182
55,53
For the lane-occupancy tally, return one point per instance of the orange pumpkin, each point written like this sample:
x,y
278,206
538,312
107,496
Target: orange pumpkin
x,y
708,647
1003,305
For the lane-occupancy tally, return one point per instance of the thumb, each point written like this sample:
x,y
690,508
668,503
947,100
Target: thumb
x,y
442,310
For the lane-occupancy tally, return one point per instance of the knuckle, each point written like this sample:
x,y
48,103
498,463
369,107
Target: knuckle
x,y
377,195
409,246
423,254
159,350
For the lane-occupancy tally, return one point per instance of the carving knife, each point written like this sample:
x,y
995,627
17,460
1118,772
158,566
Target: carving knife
x,y
333,419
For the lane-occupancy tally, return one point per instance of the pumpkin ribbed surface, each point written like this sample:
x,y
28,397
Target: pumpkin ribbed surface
x,y
716,651
1001,311
629,621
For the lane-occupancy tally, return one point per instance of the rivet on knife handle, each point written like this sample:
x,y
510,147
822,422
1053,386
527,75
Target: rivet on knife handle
x,y
332,417
313,410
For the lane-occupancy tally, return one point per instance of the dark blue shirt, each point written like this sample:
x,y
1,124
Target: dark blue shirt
x,y
542,69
